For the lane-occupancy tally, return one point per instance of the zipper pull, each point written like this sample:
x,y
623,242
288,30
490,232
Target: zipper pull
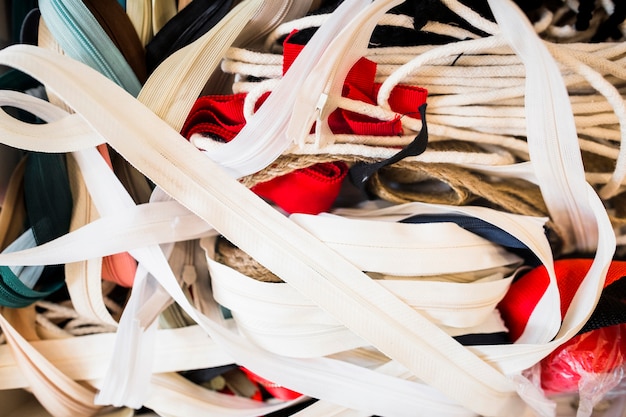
x,y
321,127
266,136
327,76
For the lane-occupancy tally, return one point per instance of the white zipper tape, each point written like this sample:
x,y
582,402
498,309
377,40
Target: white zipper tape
x,y
199,195
86,357
406,249
327,78
271,314
555,156
264,136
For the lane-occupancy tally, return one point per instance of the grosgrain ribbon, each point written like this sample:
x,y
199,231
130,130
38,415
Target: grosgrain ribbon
x,y
313,189
308,190
361,172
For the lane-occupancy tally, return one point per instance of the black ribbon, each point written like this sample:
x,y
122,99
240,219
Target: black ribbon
x,y
361,172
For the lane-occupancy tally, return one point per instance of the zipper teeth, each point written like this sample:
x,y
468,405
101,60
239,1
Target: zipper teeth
x,y
559,172
85,42
72,22
174,87
239,290
278,16
190,252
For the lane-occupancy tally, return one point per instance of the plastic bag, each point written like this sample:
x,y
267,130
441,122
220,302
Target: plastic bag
x,y
591,364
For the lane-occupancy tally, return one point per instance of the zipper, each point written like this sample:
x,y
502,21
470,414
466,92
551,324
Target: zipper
x,y
173,87
264,137
555,152
541,327
189,275
271,15
162,12
140,14
81,36
246,296
327,77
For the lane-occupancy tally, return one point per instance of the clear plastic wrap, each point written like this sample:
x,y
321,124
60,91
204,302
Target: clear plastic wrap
x,y
591,364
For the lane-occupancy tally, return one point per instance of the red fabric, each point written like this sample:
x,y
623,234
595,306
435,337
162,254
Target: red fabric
x,y
313,189
119,268
273,389
221,116
584,357
587,358
525,292
360,85
218,116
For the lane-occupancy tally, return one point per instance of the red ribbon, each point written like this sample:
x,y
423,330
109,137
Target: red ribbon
x,y
313,189
524,294
587,357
